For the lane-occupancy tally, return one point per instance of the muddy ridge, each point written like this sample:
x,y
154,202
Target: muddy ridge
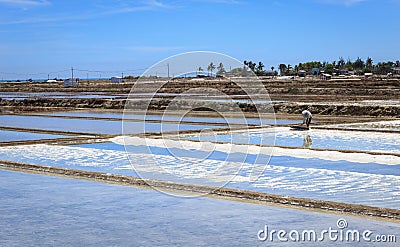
x,y
227,85
297,95
338,109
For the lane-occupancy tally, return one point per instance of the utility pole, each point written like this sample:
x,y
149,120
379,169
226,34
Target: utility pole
x,y
72,73
168,70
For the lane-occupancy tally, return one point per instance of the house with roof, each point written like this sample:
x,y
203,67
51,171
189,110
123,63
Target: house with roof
x,y
116,79
396,71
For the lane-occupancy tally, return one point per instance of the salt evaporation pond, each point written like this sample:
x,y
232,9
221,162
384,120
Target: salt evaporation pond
x,y
248,101
393,125
92,126
8,136
38,210
177,118
55,95
315,138
343,177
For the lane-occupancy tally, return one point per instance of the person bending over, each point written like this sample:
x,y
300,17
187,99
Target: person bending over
x,y
307,116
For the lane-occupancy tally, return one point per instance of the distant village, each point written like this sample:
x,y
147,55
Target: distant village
x,y
324,70
335,70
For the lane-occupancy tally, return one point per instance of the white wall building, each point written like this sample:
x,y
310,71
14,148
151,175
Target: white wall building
x,y
116,79
71,82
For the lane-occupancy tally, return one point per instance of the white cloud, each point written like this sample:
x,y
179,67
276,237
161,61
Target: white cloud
x,y
219,1
25,3
145,6
153,48
342,2
149,5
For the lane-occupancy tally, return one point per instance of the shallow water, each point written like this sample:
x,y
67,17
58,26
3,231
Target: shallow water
x,y
330,139
54,95
7,136
328,175
393,125
234,120
248,101
380,102
339,180
92,126
53,211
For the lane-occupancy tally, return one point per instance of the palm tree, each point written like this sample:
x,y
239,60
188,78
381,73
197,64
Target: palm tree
x,y
221,70
260,68
211,68
369,61
289,68
341,63
199,70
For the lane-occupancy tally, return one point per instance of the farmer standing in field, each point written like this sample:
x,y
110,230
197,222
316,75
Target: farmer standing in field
x,y
307,116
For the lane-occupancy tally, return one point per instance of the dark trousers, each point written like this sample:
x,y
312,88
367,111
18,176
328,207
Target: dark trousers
x,y
308,121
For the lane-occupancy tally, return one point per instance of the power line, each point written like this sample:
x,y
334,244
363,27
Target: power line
x,y
47,74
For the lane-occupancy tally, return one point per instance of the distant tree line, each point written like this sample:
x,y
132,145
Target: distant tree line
x,y
359,67
341,66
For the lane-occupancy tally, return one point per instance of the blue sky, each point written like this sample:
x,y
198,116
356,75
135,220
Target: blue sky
x,y
38,37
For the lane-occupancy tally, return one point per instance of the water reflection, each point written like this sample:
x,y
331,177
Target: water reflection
x,y
307,141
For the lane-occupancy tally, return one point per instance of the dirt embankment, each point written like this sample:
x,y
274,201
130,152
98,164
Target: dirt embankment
x,y
162,104
293,87
295,92
63,103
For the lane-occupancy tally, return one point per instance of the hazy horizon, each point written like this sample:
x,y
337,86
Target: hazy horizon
x,y
102,38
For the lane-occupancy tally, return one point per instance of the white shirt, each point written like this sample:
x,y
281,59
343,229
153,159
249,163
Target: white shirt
x,y
306,114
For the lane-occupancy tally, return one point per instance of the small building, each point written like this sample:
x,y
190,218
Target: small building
x,y
268,73
326,77
116,79
396,71
343,72
71,82
367,75
315,71
351,72
302,73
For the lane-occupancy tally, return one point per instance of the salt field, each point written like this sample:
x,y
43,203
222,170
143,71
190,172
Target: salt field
x,y
380,125
48,211
117,130
366,179
354,167
91,126
187,118
55,95
8,136
315,138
